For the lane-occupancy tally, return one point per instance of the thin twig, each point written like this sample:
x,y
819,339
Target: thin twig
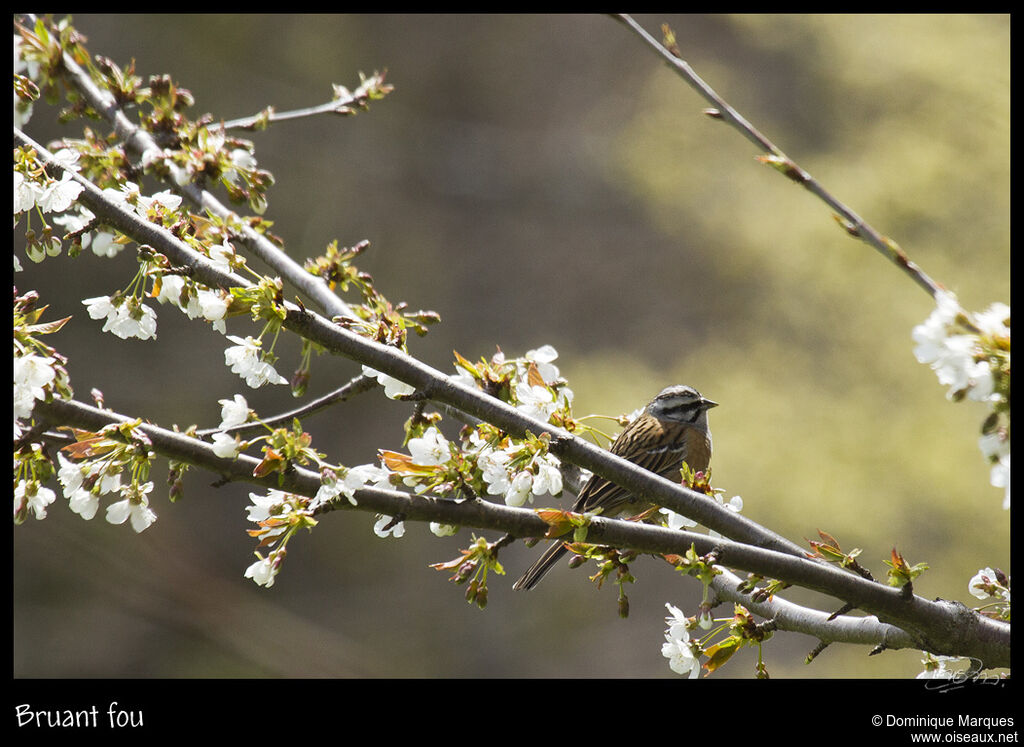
x,y
852,223
335,106
356,386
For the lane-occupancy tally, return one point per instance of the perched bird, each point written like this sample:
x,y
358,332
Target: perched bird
x,y
672,428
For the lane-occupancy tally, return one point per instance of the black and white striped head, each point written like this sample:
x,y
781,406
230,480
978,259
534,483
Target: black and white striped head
x,y
681,404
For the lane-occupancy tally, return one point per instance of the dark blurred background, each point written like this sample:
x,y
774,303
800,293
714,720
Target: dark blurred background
x,y
546,179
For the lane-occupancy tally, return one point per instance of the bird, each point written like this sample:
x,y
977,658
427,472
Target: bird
x,y
671,429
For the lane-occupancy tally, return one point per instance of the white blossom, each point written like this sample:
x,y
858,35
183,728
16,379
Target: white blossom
x,y
104,244
360,476
393,388
213,306
36,496
536,401
84,502
382,522
69,475
984,576
233,411
992,321
32,374
133,319
26,193
964,363
994,445
430,449
958,359
124,195
264,570
134,507
542,357
100,307
165,199
57,196
330,488
245,359
221,256
225,446
261,507
549,477
67,158
519,489
171,287
937,668
108,480
356,478
494,468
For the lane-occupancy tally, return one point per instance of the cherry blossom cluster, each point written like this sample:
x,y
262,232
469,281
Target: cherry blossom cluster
x,y
40,374
279,516
489,462
484,462
101,462
38,193
970,354
682,652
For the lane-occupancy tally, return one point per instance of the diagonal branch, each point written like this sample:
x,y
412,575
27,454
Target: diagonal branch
x,y
140,142
430,383
848,219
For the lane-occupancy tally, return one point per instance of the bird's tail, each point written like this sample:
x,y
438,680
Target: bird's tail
x,y
544,564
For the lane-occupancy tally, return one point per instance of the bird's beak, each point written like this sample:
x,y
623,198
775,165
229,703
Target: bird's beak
x,y
708,404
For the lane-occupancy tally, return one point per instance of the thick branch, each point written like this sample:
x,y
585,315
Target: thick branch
x,y
914,615
940,627
431,383
937,626
797,618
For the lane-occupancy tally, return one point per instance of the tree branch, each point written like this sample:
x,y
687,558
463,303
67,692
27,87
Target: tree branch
x,y
344,106
851,222
431,383
357,385
940,627
141,142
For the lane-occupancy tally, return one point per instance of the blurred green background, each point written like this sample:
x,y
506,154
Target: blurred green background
x,y
546,179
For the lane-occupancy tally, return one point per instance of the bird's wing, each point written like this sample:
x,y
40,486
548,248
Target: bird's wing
x,y
598,491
